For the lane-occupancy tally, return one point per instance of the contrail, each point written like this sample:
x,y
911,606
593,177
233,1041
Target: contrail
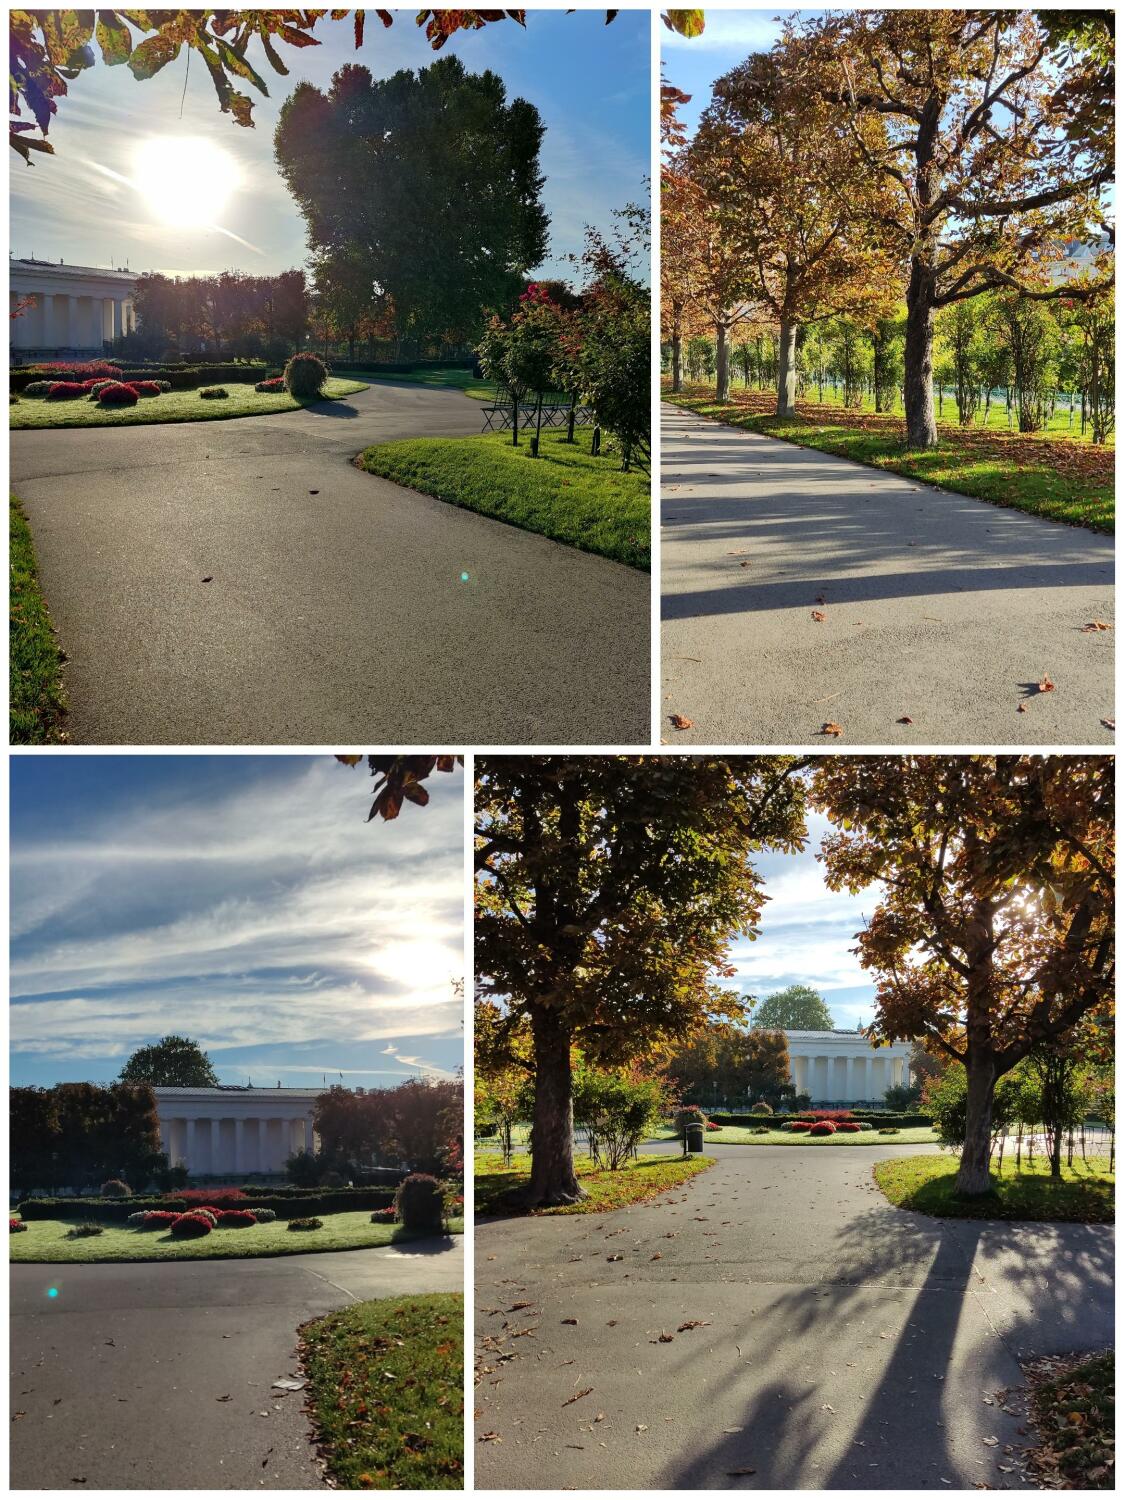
x,y
131,183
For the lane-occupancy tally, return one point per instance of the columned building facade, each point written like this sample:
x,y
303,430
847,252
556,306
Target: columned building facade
x,y
230,1131
843,1067
76,310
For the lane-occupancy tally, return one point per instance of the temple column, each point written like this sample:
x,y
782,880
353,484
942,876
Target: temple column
x,y
309,1136
853,1075
247,1155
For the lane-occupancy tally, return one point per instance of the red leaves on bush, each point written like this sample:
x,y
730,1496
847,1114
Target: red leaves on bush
x,y
274,385
822,1127
209,1197
236,1218
159,1218
849,1125
117,395
145,387
800,1125
190,1226
15,1225
66,390
88,370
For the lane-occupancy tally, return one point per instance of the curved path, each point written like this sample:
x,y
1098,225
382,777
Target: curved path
x,y
334,617
159,1376
843,1343
940,608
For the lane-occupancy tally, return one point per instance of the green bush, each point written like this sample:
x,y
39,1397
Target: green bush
x,y
889,1130
37,387
616,1110
115,1188
263,1215
761,1108
305,375
213,393
109,1210
84,1231
418,1204
760,1130
305,1224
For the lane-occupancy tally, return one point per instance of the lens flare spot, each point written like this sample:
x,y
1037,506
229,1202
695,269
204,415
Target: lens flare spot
x,y
52,1291
464,577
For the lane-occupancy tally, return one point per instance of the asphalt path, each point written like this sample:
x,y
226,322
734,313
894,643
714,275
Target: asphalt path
x,y
158,1376
335,610
939,608
836,1342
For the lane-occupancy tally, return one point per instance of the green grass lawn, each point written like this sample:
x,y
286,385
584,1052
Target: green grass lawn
x,y
172,406
1083,1195
458,380
1072,1403
37,703
1053,476
45,1240
741,1135
498,1186
386,1392
564,494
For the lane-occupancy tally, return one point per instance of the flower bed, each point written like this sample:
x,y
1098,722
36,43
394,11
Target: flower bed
x,y
65,390
273,386
191,1226
157,1218
849,1126
16,1226
236,1218
117,395
822,1127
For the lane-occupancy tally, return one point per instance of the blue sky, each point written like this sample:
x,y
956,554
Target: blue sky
x,y
241,901
729,37
807,934
589,81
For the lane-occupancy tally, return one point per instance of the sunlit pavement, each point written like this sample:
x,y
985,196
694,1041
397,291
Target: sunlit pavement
x,y
241,582
941,613
160,1376
773,1324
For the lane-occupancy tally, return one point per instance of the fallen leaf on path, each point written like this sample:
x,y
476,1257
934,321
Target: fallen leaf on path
x,y
642,1426
679,722
692,1323
831,728
490,1437
222,1398
1046,685
1095,625
1110,724
570,1400
615,1257
819,614
733,1472
570,1320
906,719
1021,708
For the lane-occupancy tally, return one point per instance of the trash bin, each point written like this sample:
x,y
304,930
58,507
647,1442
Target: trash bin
x,y
694,1131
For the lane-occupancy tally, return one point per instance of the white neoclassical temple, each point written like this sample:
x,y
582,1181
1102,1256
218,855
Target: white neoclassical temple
x,y
76,309
229,1130
843,1067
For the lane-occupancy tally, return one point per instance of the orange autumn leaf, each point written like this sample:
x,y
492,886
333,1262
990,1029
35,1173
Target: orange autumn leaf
x,y
679,722
831,728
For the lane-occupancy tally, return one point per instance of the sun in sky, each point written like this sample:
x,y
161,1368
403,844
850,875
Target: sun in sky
x,y
185,181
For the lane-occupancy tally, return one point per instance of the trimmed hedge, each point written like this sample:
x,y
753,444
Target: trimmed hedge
x,y
112,1210
404,367
286,1203
862,1116
179,377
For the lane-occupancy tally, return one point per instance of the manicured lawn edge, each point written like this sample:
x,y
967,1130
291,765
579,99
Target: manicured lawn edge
x,y
268,1240
497,1187
37,700
565,494
386,1392
172,406
1072,1406
924,1184
1079,501
739,1136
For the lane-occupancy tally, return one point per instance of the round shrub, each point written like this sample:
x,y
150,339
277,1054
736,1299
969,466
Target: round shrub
x,y
263,1215
138,1218
213,393
210,1214
65,390
117,394
305,375
236,1218
84,1231
822,1127
96,387
848,1127
889,1130
159,1218
115,1188
761,1108
306,1224
272,386
149,387
688,1114
191,1226
161,385
800,1125
383,1215
38,388
418,1204
13,399
16,1226
760,1130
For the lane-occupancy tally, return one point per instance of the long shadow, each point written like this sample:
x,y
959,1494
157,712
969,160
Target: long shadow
x,y
332,406
923,1415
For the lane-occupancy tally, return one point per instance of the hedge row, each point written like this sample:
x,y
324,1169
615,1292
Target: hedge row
x,y
373,1177
182,377
406,367
285,1205
779,1122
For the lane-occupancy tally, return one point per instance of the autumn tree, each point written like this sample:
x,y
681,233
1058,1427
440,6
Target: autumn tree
x,y
791,191
172,1062
431,177
503,1069
798,1007
726,1062
998,146
992,932
608,890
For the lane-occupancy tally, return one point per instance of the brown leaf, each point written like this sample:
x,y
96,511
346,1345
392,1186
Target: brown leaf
x,y
691,1323
906,719
679,722
1110,724
490,1437
832,729
570,1400
570,1320
1021,708
818,614
733,1472
1046,685
1095,625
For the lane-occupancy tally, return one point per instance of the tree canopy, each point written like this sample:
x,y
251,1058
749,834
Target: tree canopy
x,y
172,1062
795,1008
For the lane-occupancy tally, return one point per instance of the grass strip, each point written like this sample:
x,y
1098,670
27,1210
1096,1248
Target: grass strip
x,y
171,406
498,1186
1082,1195
37,701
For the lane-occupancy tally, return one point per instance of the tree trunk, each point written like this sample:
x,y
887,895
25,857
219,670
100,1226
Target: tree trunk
x,y
553,1178
677,362
722,363
787,371
972,1176
918,358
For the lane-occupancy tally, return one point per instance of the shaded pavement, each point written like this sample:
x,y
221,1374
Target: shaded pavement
x,y
773,1324
336,610
938,608
148,1375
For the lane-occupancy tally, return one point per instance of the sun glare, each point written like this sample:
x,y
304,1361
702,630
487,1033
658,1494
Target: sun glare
x,y
185,181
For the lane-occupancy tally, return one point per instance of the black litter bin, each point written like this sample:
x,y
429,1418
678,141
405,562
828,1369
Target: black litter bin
x,y
694,1136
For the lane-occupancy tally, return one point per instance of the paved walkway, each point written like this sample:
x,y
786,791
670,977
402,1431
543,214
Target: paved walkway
x,y
332,617
159,1376
839,1343
940,608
